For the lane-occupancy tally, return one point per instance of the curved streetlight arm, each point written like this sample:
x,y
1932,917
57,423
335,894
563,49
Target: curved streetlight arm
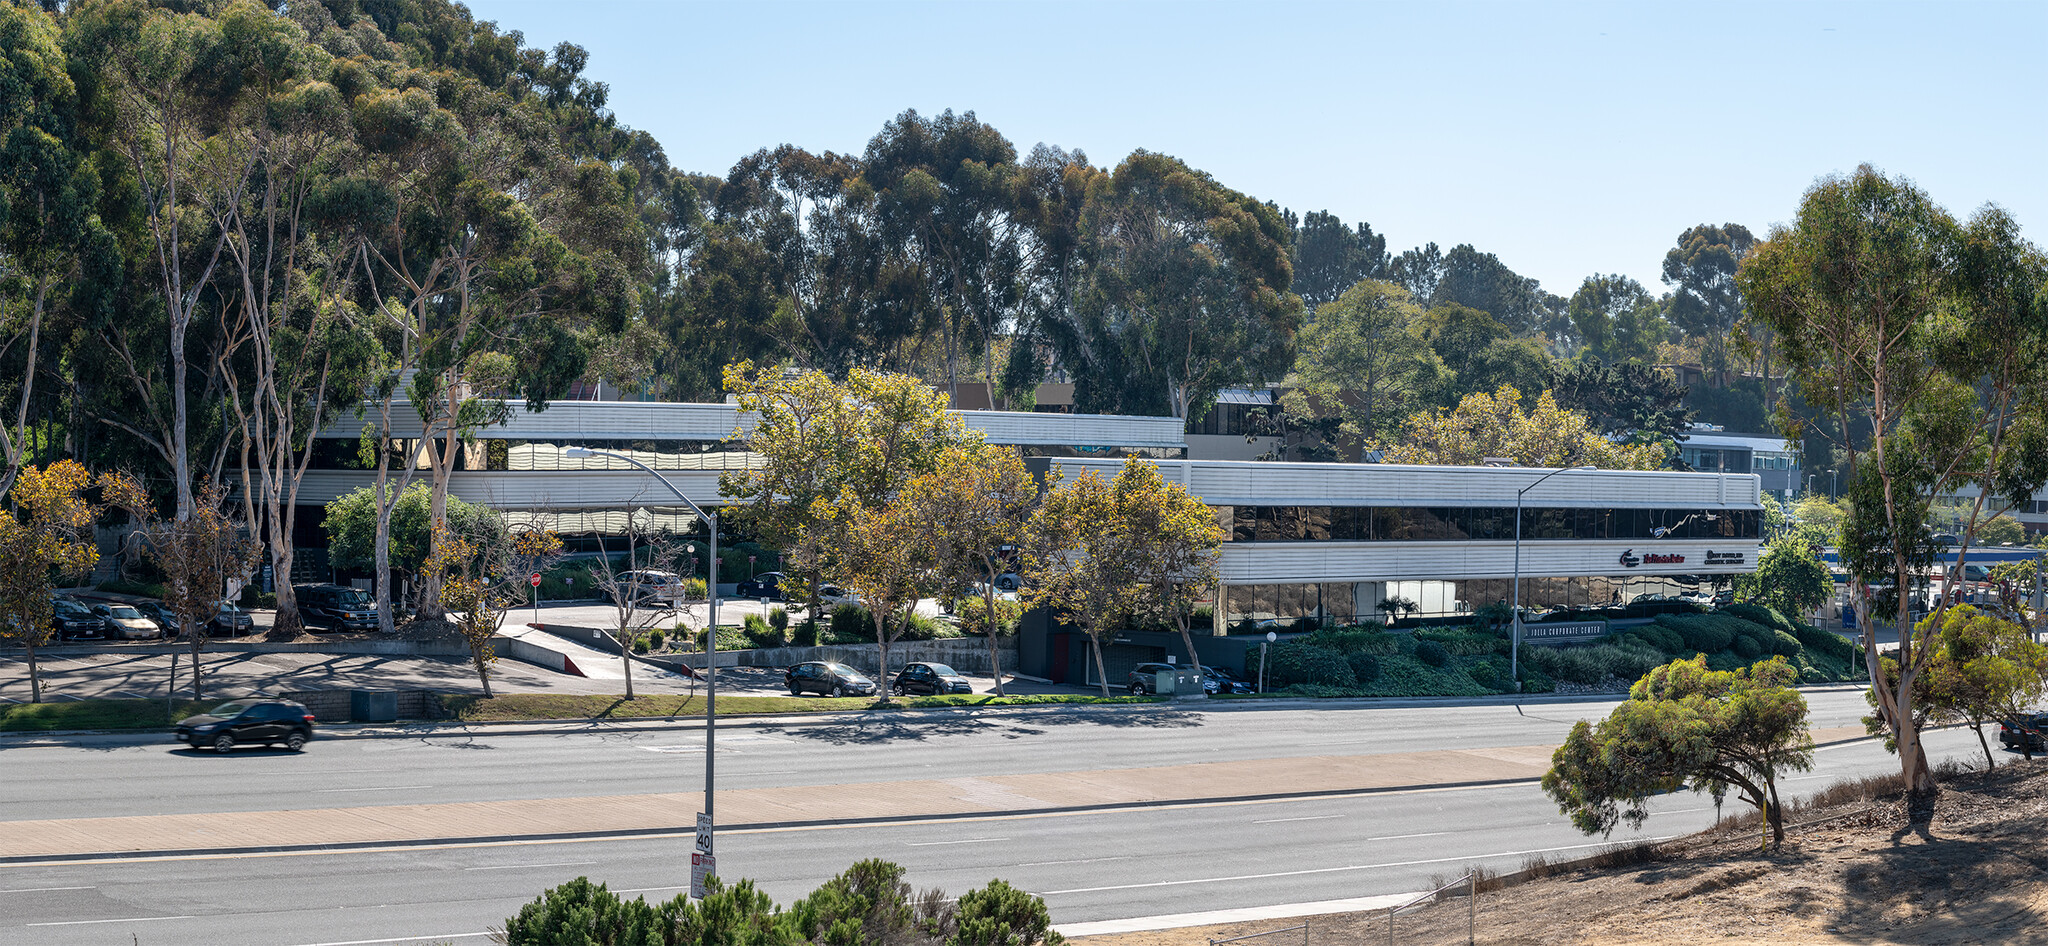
x,y
710,631
1515,594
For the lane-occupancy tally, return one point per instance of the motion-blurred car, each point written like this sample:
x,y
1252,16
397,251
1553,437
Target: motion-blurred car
x,y
827,679
125,622
930,679
247,722
833,596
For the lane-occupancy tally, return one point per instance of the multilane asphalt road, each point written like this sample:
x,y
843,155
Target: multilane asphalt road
x,y
1089,865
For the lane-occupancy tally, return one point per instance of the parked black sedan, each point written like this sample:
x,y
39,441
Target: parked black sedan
x,y
1226,681
930,679
827,679
766,586
244,722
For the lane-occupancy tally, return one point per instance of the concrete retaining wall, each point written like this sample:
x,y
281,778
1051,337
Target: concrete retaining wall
x,y
335,706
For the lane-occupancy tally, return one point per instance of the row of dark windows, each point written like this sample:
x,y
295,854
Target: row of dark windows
x,y
547,456
1456,523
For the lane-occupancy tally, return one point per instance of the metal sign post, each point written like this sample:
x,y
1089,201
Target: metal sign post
x,y
703,863
535,595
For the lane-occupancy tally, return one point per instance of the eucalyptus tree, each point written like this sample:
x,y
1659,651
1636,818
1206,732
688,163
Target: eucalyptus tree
x,y
944,189
1706,302
1185,292
1329,258
1919,337
172,87
58,261
1364,357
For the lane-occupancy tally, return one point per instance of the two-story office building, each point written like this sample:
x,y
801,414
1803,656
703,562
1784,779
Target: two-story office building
x,y
1333,542
1774,460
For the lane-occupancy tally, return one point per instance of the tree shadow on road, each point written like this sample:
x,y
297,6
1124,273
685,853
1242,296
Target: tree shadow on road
x,y
880,729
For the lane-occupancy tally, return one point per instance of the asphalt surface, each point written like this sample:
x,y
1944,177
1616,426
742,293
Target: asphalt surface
x,y
1090,865
51,778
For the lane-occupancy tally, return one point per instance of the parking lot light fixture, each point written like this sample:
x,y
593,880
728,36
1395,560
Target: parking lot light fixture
x,y
1515,609
710,627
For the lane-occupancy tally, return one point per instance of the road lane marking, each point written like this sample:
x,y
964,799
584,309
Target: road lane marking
x,y
130,919
400,939
535,866
41,889
1305,818
653,889
962,841
380,788
1335,870
1085,860
1403,837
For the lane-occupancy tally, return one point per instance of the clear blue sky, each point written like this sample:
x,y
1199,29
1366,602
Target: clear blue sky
x,y
1566,138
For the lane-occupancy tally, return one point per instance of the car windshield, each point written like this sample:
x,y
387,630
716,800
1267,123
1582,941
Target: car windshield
x,y
229,609
942,670
71,607
353,598
230,709
123,611
845,670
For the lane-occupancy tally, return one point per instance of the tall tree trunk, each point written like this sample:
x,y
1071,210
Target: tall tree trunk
x,y
1989,763
1187,637
882,652
1101,673
626,659
995,660
35,676
197,637
483,674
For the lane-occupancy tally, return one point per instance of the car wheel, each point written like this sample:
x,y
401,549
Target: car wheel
x,y
901,690
795,690
224,743
838,691
1137,689
295,741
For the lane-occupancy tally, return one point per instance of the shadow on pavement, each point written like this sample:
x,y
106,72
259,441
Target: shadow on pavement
x,y
872,730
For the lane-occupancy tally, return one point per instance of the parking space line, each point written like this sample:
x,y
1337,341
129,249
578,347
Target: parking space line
x,y
44,889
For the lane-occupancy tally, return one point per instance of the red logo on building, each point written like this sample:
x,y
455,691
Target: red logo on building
x,y
1662,558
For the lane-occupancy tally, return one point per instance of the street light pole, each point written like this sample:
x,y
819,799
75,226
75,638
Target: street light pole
x,y
710,632
1515,594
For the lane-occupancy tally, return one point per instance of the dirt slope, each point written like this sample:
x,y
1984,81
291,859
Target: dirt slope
x,y
1977,872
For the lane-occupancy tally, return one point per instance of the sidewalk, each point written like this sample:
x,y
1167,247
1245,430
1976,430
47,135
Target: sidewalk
x,y
759,808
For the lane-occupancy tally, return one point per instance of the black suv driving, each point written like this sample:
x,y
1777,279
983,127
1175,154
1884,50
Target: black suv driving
x,y
248,721
927,678
827,679
336,607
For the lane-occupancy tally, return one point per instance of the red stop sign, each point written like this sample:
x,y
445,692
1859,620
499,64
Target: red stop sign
x,y
535,580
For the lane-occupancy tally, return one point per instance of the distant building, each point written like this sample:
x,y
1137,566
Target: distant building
x,y
1774,460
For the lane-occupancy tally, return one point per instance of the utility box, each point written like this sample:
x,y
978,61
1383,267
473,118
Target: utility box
x,y
373,706
1181,683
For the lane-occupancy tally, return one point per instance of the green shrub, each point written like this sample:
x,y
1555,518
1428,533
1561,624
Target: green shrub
x,y
1827,643
1464,641
919,627
138,588
694,588
251,598
1432,653
1593,664
1403,675
1490,672
778,619
1297,661
1759,614
1357,639
851,622
1725,660
806,634
640,645
759,634
1746,647
1701,633
1536,681
1364,667
656,639
1785,644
